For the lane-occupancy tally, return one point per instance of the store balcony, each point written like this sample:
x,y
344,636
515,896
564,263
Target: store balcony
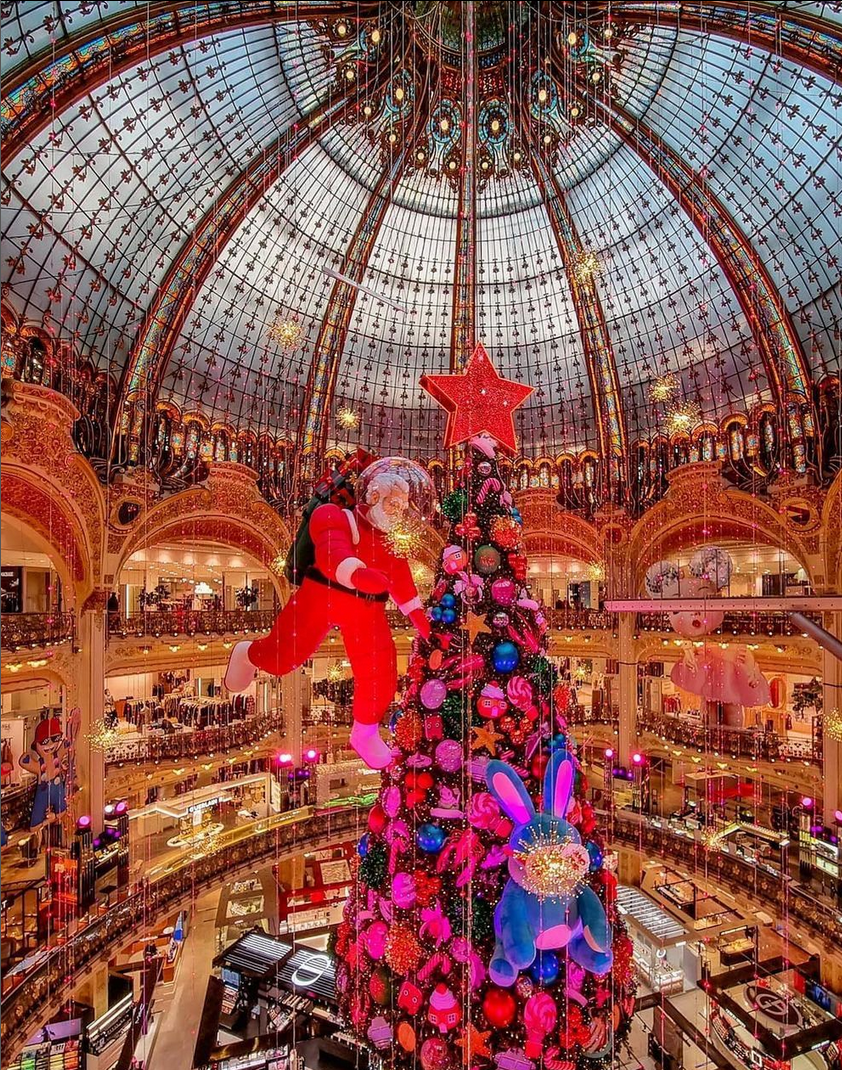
x,y
33,989
34,631
158,746
756,744
189,622
744,624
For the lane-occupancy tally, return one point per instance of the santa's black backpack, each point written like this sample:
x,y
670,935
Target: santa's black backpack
x,y
336,486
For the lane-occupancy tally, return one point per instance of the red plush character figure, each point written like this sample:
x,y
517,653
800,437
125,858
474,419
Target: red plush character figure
x,y
354,574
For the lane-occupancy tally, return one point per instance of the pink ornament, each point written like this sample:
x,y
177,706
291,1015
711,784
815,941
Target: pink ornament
x,y
449,756
491,702
403,890
435,1054
453,559
445,1012
519,692
435,924
380,1033
504,591
433,693
463,951
375,937
539,1017
392,801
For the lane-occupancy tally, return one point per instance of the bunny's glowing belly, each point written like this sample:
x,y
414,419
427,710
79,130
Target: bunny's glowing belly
x,y
558,936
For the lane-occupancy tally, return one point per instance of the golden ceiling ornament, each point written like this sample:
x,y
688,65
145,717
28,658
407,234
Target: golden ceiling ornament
x,y
833,724
406,538
335,672
664,387
596,572
682,417
587,266
279,563
348,418
285,331
102,735
553,865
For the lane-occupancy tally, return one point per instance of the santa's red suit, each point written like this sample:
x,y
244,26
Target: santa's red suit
x,y
354,576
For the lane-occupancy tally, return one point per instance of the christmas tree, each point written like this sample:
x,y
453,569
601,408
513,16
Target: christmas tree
x,y
482,928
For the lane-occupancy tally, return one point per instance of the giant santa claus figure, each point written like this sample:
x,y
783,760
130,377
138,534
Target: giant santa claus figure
x,y
354,574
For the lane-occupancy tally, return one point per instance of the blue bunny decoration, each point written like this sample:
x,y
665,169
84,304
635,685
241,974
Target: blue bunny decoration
x,y
546,902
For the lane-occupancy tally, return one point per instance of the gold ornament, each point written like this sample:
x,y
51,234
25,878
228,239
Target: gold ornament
x,y
664,387
279,563
552,865
596,572
335,672
102,735
405,539
833,724
588,266
286,332
682,417
348,418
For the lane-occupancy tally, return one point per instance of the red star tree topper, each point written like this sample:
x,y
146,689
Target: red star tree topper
x,y
478,400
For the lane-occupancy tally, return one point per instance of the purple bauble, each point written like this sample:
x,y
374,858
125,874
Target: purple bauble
x,y
449,756
504,591
433,693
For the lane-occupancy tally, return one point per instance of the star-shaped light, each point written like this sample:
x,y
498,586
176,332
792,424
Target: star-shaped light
x,y
474,1044
485,737
478,401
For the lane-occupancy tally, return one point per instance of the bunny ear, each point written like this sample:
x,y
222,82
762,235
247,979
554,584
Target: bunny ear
x,y
558,783
509,791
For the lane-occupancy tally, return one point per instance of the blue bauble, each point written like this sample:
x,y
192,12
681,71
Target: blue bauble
x,y
448,616
545,969
505,657
595,855
430,838
435,613
448,601
362,846
516,514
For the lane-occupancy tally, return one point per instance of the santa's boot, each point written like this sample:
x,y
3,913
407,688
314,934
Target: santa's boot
x,y
366,741
241,671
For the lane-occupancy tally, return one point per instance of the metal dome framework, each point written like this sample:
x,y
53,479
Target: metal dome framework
x,y
657,203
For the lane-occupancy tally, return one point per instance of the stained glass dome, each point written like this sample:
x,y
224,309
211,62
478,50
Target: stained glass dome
x,y
268,213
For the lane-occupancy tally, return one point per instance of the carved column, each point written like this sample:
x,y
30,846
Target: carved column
x,y
832,700
627,656
295,695
91,763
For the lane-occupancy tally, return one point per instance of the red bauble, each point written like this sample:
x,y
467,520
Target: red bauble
x,y
408,731
499,1007
403,952
377,819
517,563
505,532
539,765
427,887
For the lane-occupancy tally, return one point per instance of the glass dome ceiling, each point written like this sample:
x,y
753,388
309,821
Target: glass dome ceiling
x,y
181,217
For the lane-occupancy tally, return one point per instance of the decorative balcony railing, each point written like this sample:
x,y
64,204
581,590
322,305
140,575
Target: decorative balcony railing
x,y
819,916
571,619
736,742
585,715
746,624
195,744
189,622
33,631
30,995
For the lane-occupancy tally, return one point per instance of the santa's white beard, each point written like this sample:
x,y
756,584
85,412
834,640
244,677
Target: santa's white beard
x,y
379,518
